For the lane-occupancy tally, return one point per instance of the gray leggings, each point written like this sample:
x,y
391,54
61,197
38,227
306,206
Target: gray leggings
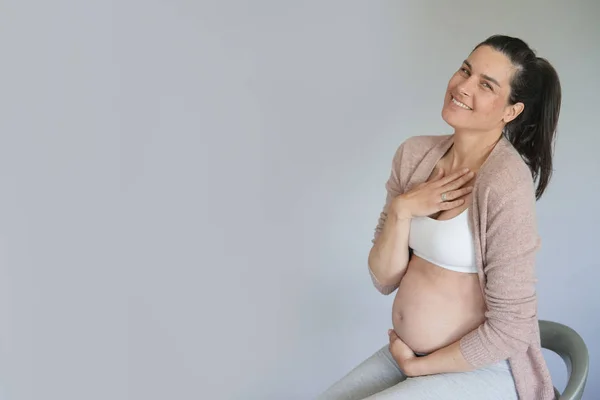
x,y
379,377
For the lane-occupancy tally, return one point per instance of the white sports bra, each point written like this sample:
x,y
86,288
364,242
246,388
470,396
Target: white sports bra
x,y
446,243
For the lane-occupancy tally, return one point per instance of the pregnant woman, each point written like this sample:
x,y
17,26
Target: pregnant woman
x,y
457,238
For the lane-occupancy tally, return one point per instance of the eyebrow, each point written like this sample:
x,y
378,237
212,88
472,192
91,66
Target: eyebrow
x,y
487,77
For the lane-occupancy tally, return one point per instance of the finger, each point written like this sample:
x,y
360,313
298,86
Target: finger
x,y
455,194
449,205
459,182
452,177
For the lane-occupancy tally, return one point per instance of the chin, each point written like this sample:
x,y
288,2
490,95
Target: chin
x,y
455,121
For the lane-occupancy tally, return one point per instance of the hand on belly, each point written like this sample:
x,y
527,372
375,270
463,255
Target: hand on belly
x,y
431,312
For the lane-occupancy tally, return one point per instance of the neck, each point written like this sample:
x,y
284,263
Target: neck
x,y
471,149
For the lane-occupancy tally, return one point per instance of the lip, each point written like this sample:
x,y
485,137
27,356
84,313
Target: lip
x,y
454,97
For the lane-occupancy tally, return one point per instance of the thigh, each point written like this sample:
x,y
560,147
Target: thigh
x,y
491,383
373,375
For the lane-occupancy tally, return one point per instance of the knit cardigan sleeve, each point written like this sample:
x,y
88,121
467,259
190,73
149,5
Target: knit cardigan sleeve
x,y
393,187
508,256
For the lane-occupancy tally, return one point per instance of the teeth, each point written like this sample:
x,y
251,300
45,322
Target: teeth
x,y
462,105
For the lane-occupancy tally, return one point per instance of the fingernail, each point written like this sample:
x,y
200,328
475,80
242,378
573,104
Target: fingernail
x,y
389,331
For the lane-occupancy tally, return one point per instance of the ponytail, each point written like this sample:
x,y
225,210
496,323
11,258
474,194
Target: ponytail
x,y
533,132
535,84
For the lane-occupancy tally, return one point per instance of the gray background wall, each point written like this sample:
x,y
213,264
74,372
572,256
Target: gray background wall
x,y
189,189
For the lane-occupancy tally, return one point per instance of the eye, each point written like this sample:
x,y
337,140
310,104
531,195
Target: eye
x,y
487,85
465,71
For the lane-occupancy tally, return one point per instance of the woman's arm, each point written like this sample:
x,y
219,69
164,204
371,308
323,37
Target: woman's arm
x,y
389,255
511,245
445,360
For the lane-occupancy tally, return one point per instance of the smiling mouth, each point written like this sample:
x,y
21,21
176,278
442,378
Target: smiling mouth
x,y
461,105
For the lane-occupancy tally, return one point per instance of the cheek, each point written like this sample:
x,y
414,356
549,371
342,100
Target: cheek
x,y
490,105
454,81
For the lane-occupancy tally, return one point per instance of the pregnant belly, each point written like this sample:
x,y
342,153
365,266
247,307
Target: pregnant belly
x,y
435,307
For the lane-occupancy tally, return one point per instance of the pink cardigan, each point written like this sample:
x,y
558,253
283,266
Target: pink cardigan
x,y
506,240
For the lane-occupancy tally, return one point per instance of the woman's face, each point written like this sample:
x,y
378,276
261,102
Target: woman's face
x,y
477,94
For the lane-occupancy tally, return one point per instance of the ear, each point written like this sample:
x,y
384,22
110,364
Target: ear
x,y
511,112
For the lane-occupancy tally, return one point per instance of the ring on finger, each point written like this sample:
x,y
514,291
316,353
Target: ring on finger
x,y
444,196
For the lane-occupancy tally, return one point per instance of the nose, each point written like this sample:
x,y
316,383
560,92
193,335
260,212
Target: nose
x,y
465,87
